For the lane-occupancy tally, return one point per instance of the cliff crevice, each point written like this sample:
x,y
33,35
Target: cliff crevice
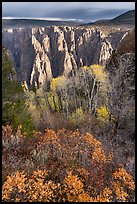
x,y
42,53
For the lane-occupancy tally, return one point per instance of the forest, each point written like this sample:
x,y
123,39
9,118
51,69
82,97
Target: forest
x,y
58,140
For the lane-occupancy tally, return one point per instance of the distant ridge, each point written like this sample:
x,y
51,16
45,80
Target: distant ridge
x,y
25,23
127,18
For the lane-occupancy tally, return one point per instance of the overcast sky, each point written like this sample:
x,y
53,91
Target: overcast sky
x,y
87,11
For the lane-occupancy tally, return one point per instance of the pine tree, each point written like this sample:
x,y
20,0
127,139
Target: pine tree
x,y
14,110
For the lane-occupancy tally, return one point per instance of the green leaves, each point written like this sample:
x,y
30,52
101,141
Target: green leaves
x,y
14,109
77,117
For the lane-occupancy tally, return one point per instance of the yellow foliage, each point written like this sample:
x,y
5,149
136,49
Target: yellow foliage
x,y
121,195
92,140
99,72
28,189
73,187
73,182
77,116
103,115
98,152
39,174
126,178
53,101
101,77
88,184
99,155
84,197
33,188
105,195
17,180
57,83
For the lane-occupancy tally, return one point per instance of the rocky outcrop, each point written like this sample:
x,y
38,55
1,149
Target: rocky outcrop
x,y
121,68
42,53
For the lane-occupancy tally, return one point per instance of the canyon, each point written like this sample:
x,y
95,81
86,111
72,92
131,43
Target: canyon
x,y
38,54
68,107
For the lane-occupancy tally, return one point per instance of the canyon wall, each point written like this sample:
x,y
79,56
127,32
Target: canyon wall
x,y
39,54
121,69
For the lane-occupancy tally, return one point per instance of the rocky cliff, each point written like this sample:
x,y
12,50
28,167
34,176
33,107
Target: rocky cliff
x,y
121,67
42,53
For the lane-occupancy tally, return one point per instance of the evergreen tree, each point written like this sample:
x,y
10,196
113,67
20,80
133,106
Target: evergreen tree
x,y
14,110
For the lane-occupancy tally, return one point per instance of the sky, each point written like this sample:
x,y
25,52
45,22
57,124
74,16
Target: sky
x,y
81,11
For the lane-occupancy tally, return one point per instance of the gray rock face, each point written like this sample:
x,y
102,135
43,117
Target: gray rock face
x,y
121,67
42,53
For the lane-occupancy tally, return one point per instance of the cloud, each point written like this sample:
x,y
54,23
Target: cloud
x,y
73,10
89,14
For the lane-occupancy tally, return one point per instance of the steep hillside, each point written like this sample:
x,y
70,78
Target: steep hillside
x,y
127,45
121,68
126,18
